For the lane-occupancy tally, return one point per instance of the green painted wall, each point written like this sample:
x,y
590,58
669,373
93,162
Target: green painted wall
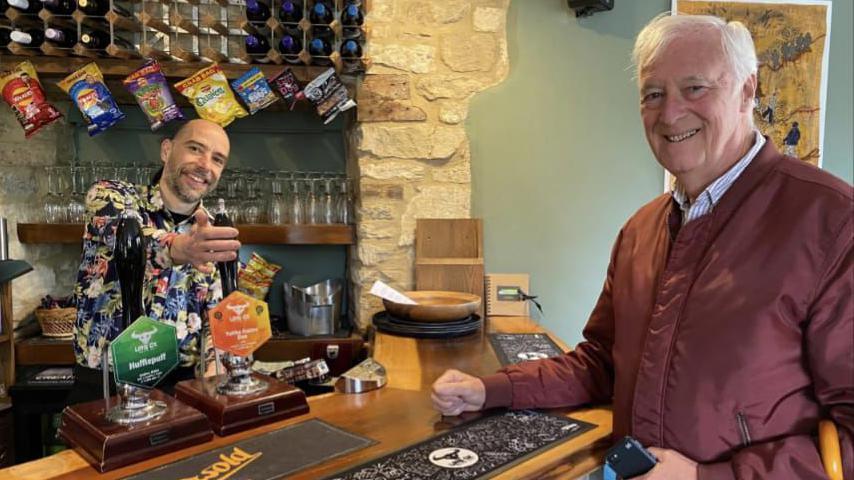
x,y
559,159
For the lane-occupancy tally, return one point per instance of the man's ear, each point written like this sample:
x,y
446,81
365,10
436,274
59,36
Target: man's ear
x,y
748,93
165,149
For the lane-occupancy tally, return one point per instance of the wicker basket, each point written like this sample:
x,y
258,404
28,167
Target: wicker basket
x,y
57,322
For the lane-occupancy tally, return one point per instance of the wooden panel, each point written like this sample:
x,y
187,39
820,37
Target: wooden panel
x,y
458,237
449,255
7,347
249,234
44,351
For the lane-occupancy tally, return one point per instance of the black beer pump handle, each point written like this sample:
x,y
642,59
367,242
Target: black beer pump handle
x,y
227,270
129,257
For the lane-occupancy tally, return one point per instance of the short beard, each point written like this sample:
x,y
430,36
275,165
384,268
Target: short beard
x,y
171,177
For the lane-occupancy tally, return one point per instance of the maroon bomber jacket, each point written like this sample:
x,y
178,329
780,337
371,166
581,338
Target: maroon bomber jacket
x,y
727,339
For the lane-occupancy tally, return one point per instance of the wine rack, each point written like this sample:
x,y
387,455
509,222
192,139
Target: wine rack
x,y
201,31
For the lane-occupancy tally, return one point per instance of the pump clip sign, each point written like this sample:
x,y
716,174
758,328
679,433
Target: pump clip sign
x,y
240,324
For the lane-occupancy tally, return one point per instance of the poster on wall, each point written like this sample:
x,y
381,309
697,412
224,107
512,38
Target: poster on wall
x,y
792,39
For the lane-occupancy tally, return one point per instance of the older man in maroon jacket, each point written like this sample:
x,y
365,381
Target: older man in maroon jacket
x,y
725,328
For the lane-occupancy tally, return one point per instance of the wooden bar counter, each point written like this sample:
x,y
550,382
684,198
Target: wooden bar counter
x,y
395,416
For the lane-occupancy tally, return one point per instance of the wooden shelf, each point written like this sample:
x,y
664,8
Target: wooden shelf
x,y
120,68
71,233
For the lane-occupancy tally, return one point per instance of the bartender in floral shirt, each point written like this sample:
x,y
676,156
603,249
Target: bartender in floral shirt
x,y
181,282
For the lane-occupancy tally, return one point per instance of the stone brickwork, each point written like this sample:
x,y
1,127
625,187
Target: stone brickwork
x,y
429,57
23,183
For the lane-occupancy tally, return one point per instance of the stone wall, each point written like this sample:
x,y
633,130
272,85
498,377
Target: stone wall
x,y
23,183
429,57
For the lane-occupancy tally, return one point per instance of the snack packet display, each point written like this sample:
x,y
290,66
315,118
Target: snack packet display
x,y
254,90
256,277
23,92
328,95
286,84
86,87
149,88
210,94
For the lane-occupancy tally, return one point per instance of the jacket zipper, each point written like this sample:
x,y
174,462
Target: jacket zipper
x,y
742,429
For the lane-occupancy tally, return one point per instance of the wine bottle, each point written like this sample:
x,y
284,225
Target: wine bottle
x,y
257,13
61,37
352,16
290,11
94,8
60,7
129,260
351,48
31,37
30,7
99,8
257,44
319,46
95,39
5,36
227,270
290,46
321,13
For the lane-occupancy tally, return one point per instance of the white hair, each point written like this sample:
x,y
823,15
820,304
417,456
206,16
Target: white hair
x,y
736,41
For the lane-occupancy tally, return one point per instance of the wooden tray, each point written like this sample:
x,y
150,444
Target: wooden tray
x,y
435,306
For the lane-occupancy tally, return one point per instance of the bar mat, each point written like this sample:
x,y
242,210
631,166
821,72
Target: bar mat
x,y
512,348
266,457
480,449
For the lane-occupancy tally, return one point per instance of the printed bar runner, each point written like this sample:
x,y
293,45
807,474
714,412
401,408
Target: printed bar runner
x,y
479,449
512,348
266,457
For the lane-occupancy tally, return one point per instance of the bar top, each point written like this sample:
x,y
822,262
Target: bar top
x,y
397,415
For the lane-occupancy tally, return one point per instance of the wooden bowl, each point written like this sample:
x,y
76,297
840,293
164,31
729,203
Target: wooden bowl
x,y
435,306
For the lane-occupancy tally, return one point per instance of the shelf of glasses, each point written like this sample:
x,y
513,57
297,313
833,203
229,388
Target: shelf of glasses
x,y
256,234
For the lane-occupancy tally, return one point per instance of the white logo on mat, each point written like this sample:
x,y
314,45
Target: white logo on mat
x,y
453,457
531,355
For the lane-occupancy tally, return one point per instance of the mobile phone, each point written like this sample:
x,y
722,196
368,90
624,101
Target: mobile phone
x,y
629,459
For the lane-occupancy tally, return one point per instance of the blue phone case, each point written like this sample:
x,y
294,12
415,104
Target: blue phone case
x,y
629,458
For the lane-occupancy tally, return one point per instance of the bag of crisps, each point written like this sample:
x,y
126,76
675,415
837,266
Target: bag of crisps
x,y
86,87
209,92
23,92
149,88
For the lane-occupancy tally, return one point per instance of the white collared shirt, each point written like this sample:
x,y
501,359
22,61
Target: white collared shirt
x,y
708,198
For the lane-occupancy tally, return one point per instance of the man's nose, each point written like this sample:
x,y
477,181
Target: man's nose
x,y
672,109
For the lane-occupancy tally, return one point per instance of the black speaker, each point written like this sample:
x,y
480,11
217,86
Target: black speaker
x,y
585,8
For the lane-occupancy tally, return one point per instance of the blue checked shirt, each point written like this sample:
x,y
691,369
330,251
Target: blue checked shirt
x,y
708,198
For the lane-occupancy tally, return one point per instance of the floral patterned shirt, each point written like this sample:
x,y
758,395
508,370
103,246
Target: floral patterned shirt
x,y
175,294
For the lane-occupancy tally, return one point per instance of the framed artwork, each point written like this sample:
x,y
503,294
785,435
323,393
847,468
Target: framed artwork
x,y
792,39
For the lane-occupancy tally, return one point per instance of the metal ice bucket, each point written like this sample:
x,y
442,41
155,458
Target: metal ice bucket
x,y
314,310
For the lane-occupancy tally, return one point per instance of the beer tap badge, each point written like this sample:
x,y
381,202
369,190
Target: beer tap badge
x,y
23,92
144,352
240,324
86,87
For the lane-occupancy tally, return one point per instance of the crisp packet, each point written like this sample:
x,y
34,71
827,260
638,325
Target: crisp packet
x,y
286,84
257,276
209,92
86,87
23,92
149,88
328,95
254,90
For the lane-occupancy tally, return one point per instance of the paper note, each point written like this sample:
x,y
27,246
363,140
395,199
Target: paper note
x,y
382,290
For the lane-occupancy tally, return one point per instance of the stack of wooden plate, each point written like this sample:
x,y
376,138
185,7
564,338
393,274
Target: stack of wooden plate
x,y
437,314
